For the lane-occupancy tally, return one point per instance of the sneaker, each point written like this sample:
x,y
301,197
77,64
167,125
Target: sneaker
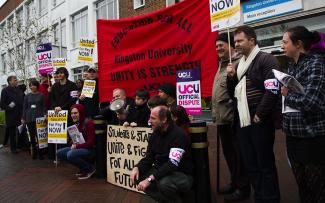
x,y
86,175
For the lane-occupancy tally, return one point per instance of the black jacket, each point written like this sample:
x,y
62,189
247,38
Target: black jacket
x,y
60,95
92,104
264,102
139,115
157,154
13,115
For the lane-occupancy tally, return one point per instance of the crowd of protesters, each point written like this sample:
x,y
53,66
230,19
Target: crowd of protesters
x,y
244,108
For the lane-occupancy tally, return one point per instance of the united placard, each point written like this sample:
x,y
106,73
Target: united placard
x,y
57,126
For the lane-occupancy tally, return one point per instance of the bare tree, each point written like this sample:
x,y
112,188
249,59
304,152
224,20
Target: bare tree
x,y
20,38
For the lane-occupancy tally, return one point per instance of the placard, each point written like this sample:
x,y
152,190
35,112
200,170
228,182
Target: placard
x,y
59,62
189,91
125,148
57,126
86,50
44,58
89,88
41,128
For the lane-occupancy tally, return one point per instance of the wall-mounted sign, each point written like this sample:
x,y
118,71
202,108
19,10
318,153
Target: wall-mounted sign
x,y
257,10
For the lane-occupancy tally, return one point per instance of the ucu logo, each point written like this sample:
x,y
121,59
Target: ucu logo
x,y
189,89
42,57
184,75
40,48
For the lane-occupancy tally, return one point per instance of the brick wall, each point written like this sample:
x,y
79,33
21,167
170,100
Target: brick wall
x,y
127,10
8,7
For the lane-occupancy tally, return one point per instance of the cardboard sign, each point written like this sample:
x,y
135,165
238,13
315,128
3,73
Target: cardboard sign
x,y
57,126
189,91
59,62
44,58
89,88
41,128
125,148
86,50
176,38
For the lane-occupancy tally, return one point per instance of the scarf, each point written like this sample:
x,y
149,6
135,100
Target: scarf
x,y
240,90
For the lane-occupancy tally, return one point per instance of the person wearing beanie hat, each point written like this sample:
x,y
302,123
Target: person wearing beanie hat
x,y
167,91
222,116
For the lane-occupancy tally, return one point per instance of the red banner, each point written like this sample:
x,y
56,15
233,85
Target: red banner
x,y
146,51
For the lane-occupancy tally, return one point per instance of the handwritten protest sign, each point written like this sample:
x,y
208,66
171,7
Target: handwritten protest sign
x,y
59,62
86,50
189,91
89,88
57,126
44,58
125,148
41,128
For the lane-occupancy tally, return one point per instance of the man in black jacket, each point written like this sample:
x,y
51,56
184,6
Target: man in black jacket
x,y
257,92
12,103
165,172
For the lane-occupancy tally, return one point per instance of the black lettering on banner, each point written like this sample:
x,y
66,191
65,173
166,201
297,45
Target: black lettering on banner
x,y
142,136
123,179
128,164
122,75
114,162
165,18
129,149
115,147
139,151
182,23
142,73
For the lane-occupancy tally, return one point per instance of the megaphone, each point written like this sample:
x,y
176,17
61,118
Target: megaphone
x,y
117,105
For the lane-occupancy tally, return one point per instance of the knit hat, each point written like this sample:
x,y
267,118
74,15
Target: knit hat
x,y
321,43
169,89
224,37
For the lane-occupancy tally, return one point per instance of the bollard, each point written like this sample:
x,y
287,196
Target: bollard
x,y
199,140
100,131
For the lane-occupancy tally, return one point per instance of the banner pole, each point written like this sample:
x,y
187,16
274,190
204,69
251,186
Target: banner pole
x,y
229,45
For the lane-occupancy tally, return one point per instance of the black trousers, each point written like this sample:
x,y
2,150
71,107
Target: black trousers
x,y
11,132
233,157
256,143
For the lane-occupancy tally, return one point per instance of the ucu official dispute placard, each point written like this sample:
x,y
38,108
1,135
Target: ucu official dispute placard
x,y
189,91
44,58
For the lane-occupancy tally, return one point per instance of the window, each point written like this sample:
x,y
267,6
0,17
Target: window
x,y
77,72
30,51
79,26
106,9
11,61
172,2
42,7
30,12
64,33
3,63
56,2
19,17
138,3
10,25
56,34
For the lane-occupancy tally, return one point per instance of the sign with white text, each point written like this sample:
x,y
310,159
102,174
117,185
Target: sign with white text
x,y
261,9
57,126
41,128
189,90
125,148
44,58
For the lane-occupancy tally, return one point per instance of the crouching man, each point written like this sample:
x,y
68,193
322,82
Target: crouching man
x,y
165,172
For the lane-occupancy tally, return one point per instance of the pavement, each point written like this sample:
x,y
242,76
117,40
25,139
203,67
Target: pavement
x,y
25,180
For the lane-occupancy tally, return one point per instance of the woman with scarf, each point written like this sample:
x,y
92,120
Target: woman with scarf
x,y
78,154
304,124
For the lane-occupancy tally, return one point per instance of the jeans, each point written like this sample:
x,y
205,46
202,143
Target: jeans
x,y
77,157
256,144
169,188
